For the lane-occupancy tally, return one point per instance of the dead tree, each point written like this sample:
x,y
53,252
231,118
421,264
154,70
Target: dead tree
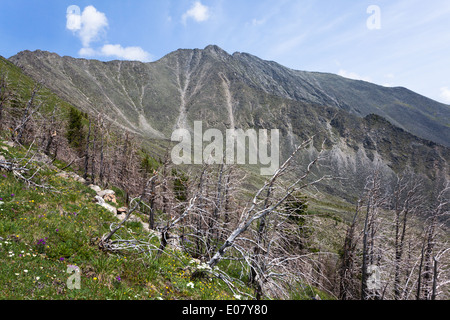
x,y
214,229
86,152
27,115
347,270
104,243
165,233
27,169
370,255
51,133
258,257
406,201
428,271
94,153
5,96
104,135
211,217
166,189
438,272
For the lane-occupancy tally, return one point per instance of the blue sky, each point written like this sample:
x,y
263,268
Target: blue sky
x,y
391,42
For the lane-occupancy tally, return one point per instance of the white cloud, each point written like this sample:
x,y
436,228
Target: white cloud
x,y
198,12
353,75
87,52
116,51
73,18
128,53
445,94
90,26
93,24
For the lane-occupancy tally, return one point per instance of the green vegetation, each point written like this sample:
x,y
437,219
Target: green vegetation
x,y
43,234
75,134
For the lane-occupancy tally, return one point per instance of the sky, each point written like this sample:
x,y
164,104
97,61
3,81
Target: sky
x,y
388,42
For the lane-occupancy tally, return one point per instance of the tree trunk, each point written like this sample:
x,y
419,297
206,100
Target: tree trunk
x,y
86,152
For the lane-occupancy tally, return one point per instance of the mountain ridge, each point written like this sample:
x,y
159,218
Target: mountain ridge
x,y
404,108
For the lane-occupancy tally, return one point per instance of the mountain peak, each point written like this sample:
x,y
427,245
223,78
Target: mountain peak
x,y
36,53
215,49
217,52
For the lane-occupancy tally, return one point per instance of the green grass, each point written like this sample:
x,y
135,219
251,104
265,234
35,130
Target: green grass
x,y
307,292
43,233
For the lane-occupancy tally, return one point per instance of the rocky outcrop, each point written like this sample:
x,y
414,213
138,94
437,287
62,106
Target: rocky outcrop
x,y
108,196
104,196
73,175
101,202
122,210
95,188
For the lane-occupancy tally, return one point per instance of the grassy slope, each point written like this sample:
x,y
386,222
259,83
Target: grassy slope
x,y
67,221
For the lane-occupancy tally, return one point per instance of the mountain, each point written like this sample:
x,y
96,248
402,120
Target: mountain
x,y
155,97
306,232
365,124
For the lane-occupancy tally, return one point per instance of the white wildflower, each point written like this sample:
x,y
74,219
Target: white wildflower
x,y
203,266
190,285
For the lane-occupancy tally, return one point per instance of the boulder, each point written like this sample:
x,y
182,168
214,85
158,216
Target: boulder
x,y
122,210
110,198
101,202
95,188
80,179
72,175
40,157
103,193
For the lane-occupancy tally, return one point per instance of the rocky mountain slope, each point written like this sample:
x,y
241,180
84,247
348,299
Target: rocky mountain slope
x,y
188,84
365,124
